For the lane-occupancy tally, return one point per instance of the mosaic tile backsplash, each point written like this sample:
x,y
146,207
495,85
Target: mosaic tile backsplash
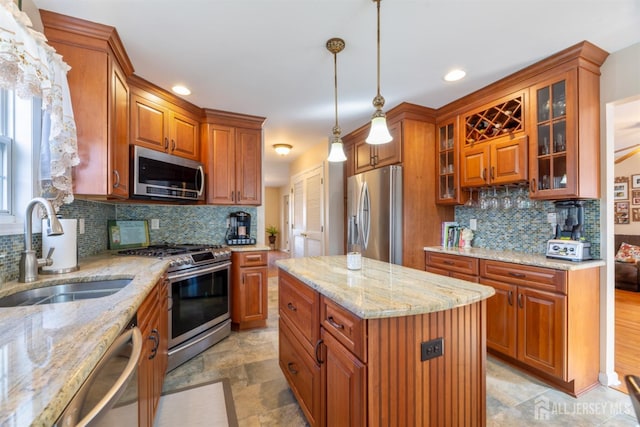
x,y
178,224
525,230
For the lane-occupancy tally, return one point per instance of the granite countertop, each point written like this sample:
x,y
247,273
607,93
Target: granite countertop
x,y
249,248
518,258
49,350
380,289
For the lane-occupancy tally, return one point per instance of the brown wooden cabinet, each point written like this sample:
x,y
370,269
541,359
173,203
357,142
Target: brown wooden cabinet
x,y
153,323
413,127
349,371
249,290
459,267
100,99
448,167
232,153
565,149
367,156
162,126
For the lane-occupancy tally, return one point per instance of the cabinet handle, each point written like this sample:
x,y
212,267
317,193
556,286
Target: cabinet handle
x,y
317,351
484,174
238,196
493,170
532,185
254,257
290,367
166,143
518,275
447,262
510,297
173,145
117,183
233,196
155,337
520,301
292,307
334,323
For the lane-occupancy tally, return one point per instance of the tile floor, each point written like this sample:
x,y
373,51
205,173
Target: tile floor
x,y
262,398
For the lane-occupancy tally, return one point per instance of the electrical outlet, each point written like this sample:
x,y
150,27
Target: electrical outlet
x,y
81,226
155,224
431,349
473,224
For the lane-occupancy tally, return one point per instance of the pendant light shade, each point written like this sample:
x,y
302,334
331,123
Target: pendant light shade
x,y
336,154
379,133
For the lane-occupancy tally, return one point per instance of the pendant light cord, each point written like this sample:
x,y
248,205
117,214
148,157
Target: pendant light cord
x,y
378,4
335,84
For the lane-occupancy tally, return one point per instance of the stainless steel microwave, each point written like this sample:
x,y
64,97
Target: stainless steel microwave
x,y
158,175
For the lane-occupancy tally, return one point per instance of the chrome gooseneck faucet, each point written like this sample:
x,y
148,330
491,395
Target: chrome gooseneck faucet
x,y
29,263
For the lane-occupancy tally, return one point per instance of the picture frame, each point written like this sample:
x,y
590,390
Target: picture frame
x,y
622,213
635,181
620,191
635,197
635,213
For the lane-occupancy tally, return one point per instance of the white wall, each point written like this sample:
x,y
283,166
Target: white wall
x,y
619,80
334,194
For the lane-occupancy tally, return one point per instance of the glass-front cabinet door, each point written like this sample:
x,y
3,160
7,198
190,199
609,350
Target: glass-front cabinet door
x,y
447,164
552,148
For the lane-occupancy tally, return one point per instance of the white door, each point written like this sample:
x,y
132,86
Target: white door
x,y
307,228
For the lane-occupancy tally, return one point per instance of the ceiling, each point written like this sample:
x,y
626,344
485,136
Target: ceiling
x,y
268,58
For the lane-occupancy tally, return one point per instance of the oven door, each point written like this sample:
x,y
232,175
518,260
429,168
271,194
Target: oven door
x,y
198,300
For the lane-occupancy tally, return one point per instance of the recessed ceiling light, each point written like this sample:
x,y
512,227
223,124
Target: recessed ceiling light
x,y
181,90
454,75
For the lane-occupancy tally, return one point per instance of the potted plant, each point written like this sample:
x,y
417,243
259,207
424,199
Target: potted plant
x,y
273,231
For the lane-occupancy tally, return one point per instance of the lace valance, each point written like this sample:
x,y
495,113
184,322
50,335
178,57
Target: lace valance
x,y
32,68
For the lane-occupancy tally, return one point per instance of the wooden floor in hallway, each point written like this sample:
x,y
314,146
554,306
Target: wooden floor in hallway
x,y
273,256
627,333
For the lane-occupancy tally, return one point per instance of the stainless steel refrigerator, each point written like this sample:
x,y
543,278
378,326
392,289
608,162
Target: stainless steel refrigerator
x,y
374,198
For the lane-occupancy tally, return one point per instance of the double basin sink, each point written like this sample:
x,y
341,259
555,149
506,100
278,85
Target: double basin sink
x,y
64,293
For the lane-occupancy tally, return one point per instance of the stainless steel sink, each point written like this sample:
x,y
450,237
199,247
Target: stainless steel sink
x,y
64,293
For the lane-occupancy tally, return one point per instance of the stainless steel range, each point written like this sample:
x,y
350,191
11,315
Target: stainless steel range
x,y
199,278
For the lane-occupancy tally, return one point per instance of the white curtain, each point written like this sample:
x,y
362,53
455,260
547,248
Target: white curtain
x,y
32,69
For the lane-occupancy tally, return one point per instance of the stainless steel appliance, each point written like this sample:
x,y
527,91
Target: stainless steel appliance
x,y
569,250
374,199
568,242
199,279
239,229
158,175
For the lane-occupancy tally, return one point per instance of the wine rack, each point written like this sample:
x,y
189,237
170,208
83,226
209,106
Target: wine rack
x,y
506,117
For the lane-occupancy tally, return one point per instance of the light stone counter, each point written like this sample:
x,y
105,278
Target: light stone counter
x,y
49,350
381,289
249,248
518,258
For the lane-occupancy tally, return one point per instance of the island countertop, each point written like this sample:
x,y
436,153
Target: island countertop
x,y
381,289
49,350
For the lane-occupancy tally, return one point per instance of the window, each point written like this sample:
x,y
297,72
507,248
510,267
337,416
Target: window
x,y
6,143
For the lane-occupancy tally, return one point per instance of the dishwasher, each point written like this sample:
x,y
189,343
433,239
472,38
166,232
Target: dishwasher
x,y
110,388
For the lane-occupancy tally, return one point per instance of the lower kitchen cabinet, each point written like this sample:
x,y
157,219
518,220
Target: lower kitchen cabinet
x,y
349,371
152,366
249,290
459,267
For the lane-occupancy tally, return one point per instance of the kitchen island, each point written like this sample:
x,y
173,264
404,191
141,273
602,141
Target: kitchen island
x,y
384,345
49,350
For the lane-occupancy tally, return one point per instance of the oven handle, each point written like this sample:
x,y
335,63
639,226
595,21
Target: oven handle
x,y
198,271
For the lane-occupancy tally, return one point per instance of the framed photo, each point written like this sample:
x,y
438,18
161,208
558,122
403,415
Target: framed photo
x,y
635,181
621,191
622,213
635,197
635,212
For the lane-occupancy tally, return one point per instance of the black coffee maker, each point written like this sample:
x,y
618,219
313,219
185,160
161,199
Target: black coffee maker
x,y
239,229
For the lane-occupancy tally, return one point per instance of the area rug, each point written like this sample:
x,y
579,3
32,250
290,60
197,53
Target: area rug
x,y
208,404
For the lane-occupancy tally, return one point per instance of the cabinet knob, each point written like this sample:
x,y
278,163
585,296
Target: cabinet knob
x,y
290,367
292,307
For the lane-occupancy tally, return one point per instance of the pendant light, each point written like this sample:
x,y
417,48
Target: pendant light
x,y
336,154
379,133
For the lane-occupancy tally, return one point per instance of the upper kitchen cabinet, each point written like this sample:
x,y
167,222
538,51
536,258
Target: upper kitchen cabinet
x,y
100,98
447,169
163,122
232,154
565,131
367,156
414,140
494,146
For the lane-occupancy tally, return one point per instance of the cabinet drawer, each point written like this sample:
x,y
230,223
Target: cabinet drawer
x,y
250,259
345,326
536,277
299,305
302,373
460,264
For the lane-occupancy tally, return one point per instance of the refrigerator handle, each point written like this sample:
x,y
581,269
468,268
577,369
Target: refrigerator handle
x,y
364,214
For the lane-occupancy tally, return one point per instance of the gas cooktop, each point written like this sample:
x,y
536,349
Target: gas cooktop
x,y
166,250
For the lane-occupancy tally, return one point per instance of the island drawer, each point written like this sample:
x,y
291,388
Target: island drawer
x,y
250,259
542,278
345,326
460,264
299,305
